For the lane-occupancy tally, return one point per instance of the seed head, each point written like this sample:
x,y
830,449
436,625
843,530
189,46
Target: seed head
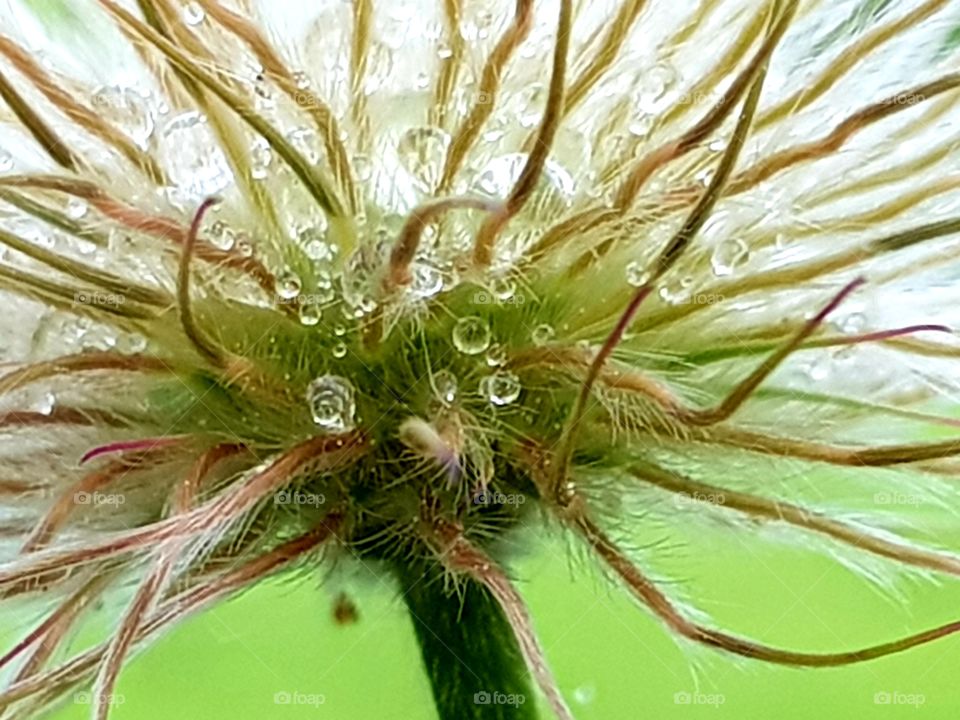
x,y
387,285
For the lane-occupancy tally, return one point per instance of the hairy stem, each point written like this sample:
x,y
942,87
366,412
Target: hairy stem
x,y
468,648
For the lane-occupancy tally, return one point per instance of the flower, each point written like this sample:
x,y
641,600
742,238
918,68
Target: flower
x,y
385,286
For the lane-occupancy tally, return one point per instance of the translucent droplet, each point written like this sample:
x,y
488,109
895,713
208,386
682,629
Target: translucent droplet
x,y
496,355
339,330
642,124
637,273
332,403
192,155
244,244
362,167
729,255
852,324
339,350
531,101
503,288
501,388
445,384
193,14
554,189
77,208
677,292
309,314
221,236
288,284
301,80
260,158
655,86
422,152
305,140
427,280
820,368
585,694
542,334
125,109
46,403
263,93
471,335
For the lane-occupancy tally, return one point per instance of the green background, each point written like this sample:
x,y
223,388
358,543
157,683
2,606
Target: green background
x,y
611,658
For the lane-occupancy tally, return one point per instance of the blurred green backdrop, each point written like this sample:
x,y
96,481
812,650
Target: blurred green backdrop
x,y
612,660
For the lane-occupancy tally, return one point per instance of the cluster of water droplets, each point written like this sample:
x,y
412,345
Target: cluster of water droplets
x,y
472,336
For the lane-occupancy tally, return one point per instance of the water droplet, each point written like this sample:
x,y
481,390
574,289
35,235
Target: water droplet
x,y
244,244
554,189
820,368
192,155
637,273
471,335
46,403
339,350
496,355
301,80
422,152
729,255
332,403
642,124
542,334
500,388
503,288
305,141
655,87
585,694
288,284
77,208
260,158
531,101
193,14
127,110
445,384
852,324
221,235
677,292
309,314
362,167
427,280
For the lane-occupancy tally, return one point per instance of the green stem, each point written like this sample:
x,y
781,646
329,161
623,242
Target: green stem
x,y
468,648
